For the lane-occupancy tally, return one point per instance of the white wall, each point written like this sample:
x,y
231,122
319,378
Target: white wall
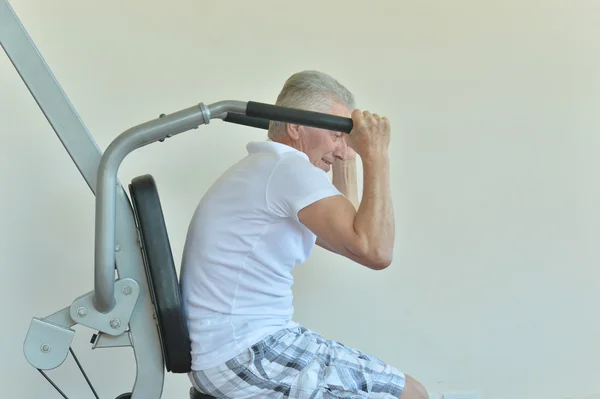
x,y
495,156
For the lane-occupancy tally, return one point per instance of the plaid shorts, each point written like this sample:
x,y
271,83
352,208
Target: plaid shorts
x,y
299,363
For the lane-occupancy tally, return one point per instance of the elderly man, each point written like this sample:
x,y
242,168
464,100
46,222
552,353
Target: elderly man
x,y
259,220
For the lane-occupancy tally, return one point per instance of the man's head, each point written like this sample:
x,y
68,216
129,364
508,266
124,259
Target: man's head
x,y
313,91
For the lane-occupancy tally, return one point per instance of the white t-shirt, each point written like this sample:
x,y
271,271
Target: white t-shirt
x,y
242,244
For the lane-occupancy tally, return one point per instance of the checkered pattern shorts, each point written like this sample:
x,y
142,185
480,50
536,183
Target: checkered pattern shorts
x,y
299,363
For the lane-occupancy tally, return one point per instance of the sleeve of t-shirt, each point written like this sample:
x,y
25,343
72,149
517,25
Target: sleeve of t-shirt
x,y
294,184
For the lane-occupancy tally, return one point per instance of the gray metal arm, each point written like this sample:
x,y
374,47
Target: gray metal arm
x,y
48,94
124,144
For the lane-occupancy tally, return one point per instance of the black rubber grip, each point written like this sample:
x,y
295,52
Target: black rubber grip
x,y
242,119
299,116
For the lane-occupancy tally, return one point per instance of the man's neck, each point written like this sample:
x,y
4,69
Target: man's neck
x,y
286,140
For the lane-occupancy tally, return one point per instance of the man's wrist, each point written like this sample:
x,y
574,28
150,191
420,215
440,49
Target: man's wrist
x,y
344,162
344,178
375,156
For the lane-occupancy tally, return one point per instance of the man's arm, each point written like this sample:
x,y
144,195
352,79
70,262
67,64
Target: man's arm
x,y
365,235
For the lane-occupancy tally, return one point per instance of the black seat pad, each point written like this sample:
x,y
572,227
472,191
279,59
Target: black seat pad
x,y
161,274
198,395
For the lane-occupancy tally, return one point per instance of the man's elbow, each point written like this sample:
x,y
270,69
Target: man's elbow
x,y
372,255
380,260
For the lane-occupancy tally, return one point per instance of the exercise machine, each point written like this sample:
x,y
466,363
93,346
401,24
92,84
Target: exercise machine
x,y
141,306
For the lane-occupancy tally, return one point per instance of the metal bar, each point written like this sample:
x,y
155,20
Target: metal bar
x,y
119,148
128,141
221,108
62,318
110,341
150,368
48,94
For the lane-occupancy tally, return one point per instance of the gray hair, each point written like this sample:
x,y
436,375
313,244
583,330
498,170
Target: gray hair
x,y
311,91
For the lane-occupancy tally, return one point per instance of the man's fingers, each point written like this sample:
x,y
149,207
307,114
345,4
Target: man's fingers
x,y
371,116
385,121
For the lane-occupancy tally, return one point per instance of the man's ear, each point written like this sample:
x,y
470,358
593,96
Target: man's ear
x,y
293,131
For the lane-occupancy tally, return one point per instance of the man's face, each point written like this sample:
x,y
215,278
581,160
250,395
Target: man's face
x,y
322,146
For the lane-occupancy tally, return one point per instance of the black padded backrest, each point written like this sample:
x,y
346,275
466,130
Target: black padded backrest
x,y
161,274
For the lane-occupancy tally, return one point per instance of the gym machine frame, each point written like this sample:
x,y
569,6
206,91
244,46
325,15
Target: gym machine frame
x,y
120,310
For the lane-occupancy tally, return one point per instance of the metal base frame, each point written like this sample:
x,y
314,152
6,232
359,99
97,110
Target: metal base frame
x,y
48,340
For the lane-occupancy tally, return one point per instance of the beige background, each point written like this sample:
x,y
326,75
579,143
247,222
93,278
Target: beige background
x,y
495,163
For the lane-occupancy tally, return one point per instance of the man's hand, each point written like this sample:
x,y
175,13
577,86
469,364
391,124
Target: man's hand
x,y
370,136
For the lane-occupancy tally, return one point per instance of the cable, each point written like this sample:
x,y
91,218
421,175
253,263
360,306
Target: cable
x,y
53,384
83,372
80,369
